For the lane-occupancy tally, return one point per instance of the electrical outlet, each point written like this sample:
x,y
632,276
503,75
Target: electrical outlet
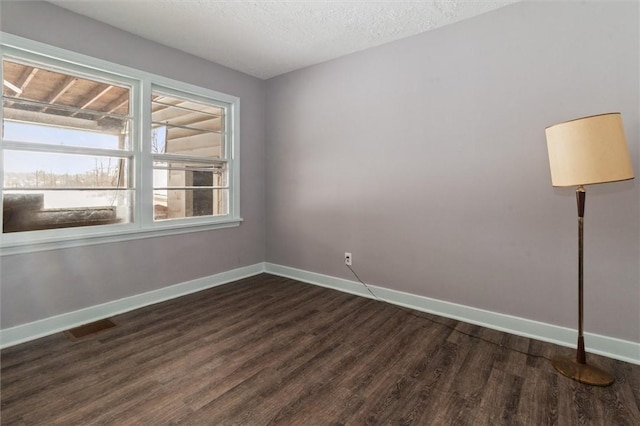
x,y
348,259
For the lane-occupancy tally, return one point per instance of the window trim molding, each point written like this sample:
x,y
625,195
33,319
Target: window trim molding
x,y
144,226
42,244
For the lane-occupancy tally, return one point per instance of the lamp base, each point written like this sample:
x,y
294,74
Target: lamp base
x,y
583,373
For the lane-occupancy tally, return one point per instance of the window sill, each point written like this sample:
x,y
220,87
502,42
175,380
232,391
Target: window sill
x,y
37,245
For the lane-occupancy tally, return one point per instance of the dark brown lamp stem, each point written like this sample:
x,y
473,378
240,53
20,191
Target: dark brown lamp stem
x,y
577,368
581,356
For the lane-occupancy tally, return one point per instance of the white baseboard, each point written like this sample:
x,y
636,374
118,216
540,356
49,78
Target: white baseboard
x,y
602,345
44,327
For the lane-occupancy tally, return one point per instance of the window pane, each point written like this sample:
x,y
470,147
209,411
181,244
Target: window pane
x,y
35,83
186,127
24,169
35,210
176,194
184,203
54,190
96,111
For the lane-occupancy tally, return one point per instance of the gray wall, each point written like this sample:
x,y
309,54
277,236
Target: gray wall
x,y
39,285
426,158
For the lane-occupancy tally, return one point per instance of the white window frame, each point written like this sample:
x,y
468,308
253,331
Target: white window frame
x,y
141,83
173,91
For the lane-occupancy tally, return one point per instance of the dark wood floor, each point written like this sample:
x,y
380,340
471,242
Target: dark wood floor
x,y
268,350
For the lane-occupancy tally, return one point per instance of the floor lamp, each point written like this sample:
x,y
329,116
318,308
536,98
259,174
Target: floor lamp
x,y
586,151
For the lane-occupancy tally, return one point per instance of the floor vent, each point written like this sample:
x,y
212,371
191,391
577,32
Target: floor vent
x,y
90,329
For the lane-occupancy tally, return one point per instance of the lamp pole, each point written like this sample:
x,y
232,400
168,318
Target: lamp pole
x,y
581,356
577,368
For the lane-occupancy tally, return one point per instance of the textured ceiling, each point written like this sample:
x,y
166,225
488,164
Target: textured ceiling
x,y
268,38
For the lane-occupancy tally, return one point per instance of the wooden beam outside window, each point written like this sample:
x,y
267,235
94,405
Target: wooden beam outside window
x,y
95,94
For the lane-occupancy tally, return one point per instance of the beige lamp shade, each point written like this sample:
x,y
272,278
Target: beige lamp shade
x,y
588,150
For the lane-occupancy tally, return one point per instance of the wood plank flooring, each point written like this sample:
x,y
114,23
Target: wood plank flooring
x,y
269,350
